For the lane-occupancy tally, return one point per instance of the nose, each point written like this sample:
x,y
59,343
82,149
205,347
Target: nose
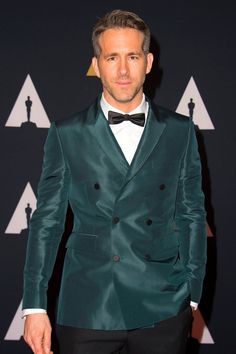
x,y
123,66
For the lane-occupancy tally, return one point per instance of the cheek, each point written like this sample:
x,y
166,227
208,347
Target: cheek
x,y
108,74
139,73
138,69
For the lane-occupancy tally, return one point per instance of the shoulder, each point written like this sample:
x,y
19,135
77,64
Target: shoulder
x,y
170,116
173,120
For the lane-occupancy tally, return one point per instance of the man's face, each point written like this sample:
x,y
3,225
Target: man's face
x,y
122,67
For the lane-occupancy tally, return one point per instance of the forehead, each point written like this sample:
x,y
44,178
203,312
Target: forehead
x,y
121,39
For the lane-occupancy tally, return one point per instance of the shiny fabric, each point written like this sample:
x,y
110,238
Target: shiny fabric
x,y
167,337
116,118
137,252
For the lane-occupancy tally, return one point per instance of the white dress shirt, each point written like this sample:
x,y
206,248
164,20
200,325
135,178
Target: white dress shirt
x,y
126,133
128,136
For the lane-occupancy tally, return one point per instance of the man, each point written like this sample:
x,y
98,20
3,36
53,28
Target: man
x,y
136,257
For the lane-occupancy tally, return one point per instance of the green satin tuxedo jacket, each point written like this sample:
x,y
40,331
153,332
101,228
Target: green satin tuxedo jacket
x,y
137,252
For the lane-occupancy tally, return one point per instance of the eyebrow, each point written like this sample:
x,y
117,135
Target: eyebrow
x,y
114,54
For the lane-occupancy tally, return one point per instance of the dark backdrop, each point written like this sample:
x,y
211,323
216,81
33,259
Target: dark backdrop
x,y
50,41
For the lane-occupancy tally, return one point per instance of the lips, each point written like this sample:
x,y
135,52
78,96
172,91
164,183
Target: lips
x,y
123,83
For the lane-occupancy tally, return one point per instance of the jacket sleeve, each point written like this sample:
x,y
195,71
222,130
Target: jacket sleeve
x,y
191,217
47,223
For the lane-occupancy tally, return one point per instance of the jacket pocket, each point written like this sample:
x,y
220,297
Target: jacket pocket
x,y
82,241
169,255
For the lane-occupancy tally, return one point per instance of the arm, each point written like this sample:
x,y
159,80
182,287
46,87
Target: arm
x,y
45,231
191,217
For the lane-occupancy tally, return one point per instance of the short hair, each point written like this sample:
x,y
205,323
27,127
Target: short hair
x,y
120,19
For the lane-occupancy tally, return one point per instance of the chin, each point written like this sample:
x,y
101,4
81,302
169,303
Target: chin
x,y
124,98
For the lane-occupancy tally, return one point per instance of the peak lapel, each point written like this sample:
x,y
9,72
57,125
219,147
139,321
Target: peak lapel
x,y
151,135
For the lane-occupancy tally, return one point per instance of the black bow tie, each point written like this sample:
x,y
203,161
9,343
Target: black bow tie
x,y
116,118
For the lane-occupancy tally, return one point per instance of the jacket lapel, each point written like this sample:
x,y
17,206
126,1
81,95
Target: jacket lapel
x,y
108,143
150,137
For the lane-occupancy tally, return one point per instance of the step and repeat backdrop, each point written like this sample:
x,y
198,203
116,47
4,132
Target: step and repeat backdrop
x,y
46,75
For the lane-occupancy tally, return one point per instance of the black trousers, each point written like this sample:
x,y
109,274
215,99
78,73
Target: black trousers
x,y
166,337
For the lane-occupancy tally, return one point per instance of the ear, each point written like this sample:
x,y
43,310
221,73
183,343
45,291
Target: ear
x,y
95,66
150,59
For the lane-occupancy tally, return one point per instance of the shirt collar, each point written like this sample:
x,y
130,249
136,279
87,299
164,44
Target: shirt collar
x,y
142,107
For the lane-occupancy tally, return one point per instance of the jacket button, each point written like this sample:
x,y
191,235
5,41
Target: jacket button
x,y
116,258
147,257
115,220
149,222
96,186
162,187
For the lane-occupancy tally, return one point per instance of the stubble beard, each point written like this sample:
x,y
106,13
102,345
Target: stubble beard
x,y
123,97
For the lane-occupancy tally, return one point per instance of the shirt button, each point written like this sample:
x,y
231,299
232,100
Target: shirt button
x,y
149,222
96,186
116,258
162,187
115,220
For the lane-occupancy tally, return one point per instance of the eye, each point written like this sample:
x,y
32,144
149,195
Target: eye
x,y
111,59
134,57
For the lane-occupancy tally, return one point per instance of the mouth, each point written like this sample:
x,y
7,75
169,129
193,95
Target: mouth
x,y
123,83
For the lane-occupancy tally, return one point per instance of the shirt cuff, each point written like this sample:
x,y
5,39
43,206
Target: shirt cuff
x,y
194,305
26,312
